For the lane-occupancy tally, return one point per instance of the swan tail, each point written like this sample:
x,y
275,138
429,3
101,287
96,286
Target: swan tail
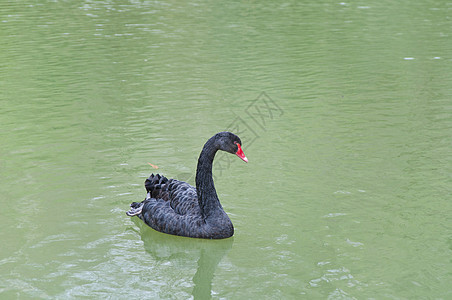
x,y
135,209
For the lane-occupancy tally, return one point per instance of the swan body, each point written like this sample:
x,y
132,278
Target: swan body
x,y
175,207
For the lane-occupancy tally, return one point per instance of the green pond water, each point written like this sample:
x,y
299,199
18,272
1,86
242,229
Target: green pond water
x,y
344,110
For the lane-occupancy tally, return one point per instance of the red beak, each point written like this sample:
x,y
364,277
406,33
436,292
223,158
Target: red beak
x,y
240,153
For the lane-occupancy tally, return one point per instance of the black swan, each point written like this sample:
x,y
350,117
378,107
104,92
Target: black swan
x,y
175,207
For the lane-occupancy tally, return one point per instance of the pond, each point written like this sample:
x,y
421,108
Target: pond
x,y
344,110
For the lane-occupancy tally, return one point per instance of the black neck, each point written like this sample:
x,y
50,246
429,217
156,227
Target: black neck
x,y
207,195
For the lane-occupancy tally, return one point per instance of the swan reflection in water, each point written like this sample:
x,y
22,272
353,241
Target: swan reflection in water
x,y
182,252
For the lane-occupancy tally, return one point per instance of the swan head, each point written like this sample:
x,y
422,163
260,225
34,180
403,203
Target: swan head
x,y
231,143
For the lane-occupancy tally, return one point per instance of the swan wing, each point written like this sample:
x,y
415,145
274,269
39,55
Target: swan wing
x,y
181,196
159,215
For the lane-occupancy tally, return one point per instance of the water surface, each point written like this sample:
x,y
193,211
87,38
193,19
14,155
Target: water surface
x,y
344,110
